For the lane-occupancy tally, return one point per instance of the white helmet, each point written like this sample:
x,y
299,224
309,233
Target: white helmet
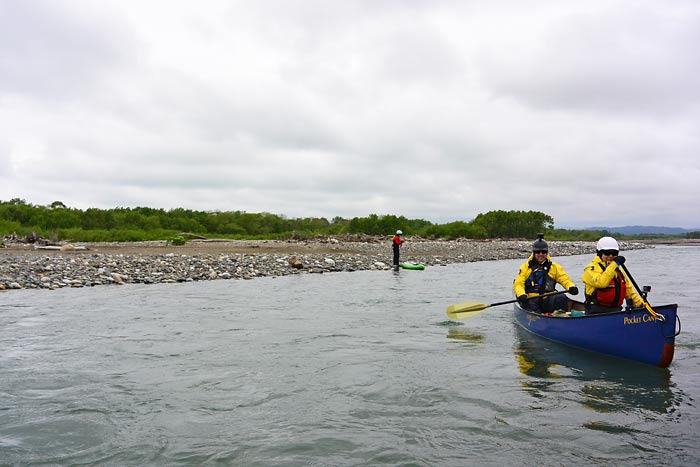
x,y
398,232
607,243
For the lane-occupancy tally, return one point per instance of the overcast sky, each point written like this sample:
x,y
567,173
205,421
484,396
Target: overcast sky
x,y
588,111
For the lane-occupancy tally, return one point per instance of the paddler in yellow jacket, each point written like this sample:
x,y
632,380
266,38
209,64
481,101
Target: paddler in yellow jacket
x,y
607,287
539,275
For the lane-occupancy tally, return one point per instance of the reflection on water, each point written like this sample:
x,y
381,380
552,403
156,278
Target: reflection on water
x,y
609,428
604,384
466,335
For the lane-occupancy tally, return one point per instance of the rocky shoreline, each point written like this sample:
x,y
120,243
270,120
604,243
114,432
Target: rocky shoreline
x,y
85,265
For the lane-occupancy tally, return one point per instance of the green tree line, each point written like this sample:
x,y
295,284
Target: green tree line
x,y
60,222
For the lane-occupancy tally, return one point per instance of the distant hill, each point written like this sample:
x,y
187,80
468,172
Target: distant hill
x,y
645,229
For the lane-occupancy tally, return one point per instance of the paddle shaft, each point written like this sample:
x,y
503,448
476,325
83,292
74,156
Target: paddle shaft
x,y
531,298
634,283
646,304
462,310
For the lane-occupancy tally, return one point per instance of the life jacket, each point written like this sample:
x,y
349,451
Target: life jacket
x,y
539,281
397,240
613,295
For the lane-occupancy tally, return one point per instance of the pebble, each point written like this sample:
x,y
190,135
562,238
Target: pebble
x,y
58,269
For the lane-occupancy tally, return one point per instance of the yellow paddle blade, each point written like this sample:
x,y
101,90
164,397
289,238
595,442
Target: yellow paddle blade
x,y
465,309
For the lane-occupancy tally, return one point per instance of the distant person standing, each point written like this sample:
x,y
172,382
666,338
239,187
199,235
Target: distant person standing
x,y
396,245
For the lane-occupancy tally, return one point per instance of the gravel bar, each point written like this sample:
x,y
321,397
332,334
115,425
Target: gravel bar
x,y
92,264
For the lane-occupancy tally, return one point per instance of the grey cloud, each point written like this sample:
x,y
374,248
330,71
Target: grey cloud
x,y
626,59
309,108
48,51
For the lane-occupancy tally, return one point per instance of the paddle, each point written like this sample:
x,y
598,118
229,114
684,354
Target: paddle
x,y
467,309
646,304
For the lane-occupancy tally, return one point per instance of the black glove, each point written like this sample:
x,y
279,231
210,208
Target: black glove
x,y
522,299
573,290
620,260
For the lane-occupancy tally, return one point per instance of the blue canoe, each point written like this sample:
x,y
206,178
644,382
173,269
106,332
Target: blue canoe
x,y
631,334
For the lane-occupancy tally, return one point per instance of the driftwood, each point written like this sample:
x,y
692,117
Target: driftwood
x,y
192,236
32,239
65,247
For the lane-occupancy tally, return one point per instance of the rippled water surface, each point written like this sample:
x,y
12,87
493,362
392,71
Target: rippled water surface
x,y
359,368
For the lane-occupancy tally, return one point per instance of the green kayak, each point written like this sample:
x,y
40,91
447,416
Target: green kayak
x,y
415,266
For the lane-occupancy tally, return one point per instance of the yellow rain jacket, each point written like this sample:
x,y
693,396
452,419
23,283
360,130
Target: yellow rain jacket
x,y
599,275
555,272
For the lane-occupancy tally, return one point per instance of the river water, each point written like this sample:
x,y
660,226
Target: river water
x,y
340,369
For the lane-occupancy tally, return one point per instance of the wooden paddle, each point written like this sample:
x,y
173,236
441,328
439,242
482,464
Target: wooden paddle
x,y
467,309
645,303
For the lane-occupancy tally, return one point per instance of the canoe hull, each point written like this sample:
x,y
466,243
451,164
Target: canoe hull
x,y
633,335
417,267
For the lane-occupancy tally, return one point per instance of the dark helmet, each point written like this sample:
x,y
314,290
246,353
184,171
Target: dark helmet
x,y
539,244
